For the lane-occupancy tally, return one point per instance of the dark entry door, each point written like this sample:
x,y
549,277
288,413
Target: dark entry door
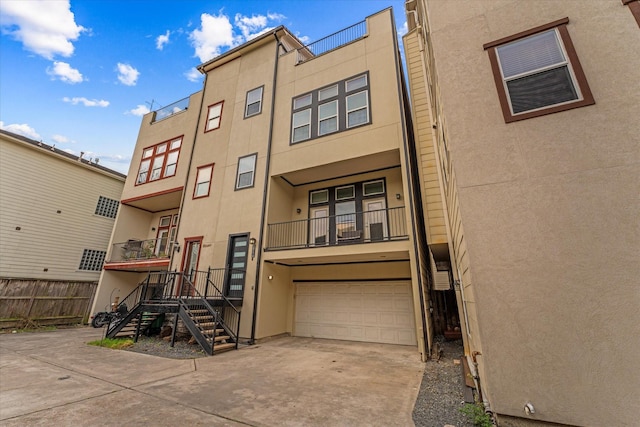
x,y
236,265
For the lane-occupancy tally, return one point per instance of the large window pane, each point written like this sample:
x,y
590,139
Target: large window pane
x,y
542,89
301,125
530,54
157,168
357,109
246,167
328,118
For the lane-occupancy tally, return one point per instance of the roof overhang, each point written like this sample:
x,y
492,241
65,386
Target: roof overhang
x,y
157,202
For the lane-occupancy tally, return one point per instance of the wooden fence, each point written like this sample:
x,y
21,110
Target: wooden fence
x,y
32,302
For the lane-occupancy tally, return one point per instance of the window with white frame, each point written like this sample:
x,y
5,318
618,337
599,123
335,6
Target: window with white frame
x,y
92,260
254,102
214,116
159,161
334,108
203,181
537,72
107,207
246,171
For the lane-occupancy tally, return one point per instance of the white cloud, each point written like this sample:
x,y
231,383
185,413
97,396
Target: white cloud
x,y
86,102
44,27
216,32
162,39
303,39
21,129
64,72
127,74
403,30
60,139
140,110
193,75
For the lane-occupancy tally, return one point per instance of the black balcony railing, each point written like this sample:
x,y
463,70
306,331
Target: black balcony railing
x,y
137,250
333,41
359,227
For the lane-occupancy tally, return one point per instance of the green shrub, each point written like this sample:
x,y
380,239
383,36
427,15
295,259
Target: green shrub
x,y
477,415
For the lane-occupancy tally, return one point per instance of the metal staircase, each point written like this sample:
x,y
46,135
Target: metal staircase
x,y
212,319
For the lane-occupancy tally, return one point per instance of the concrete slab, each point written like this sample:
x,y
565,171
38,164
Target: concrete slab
x,y
288,381
301,381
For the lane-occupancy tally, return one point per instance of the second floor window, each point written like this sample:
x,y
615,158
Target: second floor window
x,y
159,161
246,170
203,181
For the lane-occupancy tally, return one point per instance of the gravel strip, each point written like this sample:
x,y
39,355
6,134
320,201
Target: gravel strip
x,y
158,347
440,397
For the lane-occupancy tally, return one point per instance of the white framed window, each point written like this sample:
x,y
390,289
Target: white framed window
x,y
537,72
357,109
319,196
214,117
334,108
107,207
246,171
346,192
254,102
301,125
373,187
328,118
203,181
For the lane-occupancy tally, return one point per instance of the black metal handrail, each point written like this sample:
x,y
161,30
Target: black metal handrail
x,y
359,227
333,41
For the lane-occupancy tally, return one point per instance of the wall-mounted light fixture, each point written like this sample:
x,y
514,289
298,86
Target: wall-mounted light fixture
x,y
270,277
176,247
398,196
298,210
252,242
153,229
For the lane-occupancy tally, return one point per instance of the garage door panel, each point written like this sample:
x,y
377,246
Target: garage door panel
x,y
357,311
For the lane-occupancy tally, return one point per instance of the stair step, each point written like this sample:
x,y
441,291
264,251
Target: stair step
x,y
223,347
219,338
212,331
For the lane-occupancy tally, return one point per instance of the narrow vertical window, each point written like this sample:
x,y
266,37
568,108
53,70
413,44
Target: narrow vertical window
x,y
214,116
328,118
203,181
357,109
254,102
246,169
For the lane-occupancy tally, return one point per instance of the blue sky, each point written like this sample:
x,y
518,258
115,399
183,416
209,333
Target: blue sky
x,y
81,74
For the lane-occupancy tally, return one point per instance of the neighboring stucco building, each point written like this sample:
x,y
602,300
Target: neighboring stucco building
x,y
57,212
286,183
526,119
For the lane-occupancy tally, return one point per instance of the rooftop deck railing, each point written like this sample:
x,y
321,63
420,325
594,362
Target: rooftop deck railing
x,y
171,109
359,227
332,42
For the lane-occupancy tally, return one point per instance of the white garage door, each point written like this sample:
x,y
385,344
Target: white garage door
x,y
357,311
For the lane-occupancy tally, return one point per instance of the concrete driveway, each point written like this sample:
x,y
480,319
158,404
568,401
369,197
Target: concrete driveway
x,y
54,378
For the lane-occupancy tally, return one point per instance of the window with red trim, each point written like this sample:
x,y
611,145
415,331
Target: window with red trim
x,y
159,161
203,181
537,72
214,117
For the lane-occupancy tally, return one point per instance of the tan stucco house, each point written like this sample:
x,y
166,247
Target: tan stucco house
x,y
280,197
526,124
57,212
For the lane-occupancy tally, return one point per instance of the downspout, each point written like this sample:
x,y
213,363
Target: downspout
x,y
193,149
252,340
402,92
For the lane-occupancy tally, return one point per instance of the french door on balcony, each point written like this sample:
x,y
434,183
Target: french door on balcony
x,y
375,220
319,226
237,256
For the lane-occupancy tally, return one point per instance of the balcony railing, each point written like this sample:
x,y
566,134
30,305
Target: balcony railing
x,y
137,250
171,109
359,227
332,42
